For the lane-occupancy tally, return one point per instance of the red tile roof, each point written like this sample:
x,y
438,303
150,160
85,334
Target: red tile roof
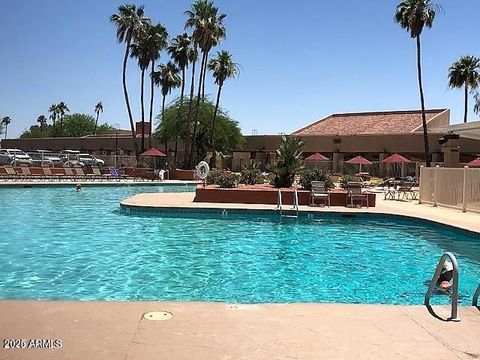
x,y
387,122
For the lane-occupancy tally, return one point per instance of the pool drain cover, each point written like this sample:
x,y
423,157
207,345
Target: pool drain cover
x,y
158,315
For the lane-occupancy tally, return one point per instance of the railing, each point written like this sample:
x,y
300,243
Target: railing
x,y
433,282
295,201
279,202
475,297
451,187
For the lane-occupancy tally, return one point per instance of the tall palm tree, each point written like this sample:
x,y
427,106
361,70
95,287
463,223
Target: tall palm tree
x,y
141,51
168,79
6,121
465,73
182,53
222,68
62,109
156,38
53,114
130,22
414,16
476,108
208,31
42,121
98,110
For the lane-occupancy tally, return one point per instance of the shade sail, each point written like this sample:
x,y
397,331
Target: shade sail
x,y
396,159
153,152
316,157
359,160
474,163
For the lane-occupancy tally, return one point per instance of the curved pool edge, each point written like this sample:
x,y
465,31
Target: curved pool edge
x,y
183,203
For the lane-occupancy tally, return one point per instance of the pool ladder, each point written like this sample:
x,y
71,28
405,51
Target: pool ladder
x,y
280,203
454,296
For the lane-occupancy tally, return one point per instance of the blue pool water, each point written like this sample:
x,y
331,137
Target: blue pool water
x,y
56,243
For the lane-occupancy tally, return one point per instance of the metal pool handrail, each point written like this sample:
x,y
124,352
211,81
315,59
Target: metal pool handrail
x,y
454,297
279,201
295,201
475,296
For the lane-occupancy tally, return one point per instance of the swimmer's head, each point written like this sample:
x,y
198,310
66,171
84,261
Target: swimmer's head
x,y
78,187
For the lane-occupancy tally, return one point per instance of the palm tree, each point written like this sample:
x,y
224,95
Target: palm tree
x,y
222,68
208,31
53,114
6,121
98,110
414,15
182,53
465,73
62,109
289,155
42,121
476,108
168,79
130,22
156,38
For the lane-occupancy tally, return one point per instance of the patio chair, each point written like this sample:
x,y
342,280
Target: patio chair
x,y
80,174
69,174
406,190
355,193
48,175
97,174
115,174
319,191
11,173
25,173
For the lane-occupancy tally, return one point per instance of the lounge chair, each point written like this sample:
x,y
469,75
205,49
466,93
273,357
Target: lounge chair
x,y
69,174
115,174
406,190
11,173
319,191
355,193
48,175
80,174
97,174
25,173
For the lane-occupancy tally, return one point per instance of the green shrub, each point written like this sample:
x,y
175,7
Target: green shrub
x,y
251,174
309,175
213,175
345,179
289,161
227,180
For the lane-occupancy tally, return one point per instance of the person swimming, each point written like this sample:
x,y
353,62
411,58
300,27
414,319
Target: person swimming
x,y
78,187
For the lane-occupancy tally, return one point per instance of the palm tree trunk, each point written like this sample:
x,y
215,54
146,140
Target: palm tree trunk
x,y
186,158
152,94
163,118
466,104
197,109
422,101
96,124
125,93
142,85
204,75
213,159
6,130
182,92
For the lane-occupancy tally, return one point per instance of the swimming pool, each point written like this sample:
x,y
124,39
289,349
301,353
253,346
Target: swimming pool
x,y
56,243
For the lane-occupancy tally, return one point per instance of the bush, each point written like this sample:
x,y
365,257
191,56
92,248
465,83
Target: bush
x,y
227,180
213,175
251,174
309,175
289,161
345,179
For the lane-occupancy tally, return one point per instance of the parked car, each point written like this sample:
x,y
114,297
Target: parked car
x,y
90,160
45,158
14,157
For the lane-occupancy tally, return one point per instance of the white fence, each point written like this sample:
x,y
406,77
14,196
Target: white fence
x,y
451,187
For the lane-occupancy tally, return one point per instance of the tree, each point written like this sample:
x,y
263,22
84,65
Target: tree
x,y
98,110
222,68
476,108
289,161
42,121
465,73
62,109
208,31
168,79
414,15
156,37
5,122
77,125
227,134
53,114
130,22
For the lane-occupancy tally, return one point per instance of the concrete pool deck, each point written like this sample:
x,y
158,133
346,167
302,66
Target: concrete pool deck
x,y
207,331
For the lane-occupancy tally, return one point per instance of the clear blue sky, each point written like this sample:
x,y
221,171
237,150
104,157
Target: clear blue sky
x,y
301,60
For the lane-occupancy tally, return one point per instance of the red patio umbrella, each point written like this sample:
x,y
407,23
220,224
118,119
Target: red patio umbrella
x,y
360,160
316,157
396,159
474,163
153,153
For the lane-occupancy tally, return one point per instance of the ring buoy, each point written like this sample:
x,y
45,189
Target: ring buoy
x,y
202,170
